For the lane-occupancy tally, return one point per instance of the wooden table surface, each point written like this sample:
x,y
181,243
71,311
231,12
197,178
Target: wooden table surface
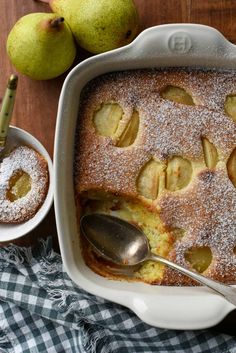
x,y
36,103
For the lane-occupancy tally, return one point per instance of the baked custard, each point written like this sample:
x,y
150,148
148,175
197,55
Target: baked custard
x,y
158,149
23,184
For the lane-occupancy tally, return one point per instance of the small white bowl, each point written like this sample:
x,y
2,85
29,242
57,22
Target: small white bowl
x,y
15,138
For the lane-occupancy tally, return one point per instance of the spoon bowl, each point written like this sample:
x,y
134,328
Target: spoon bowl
x,y
125,244
116,240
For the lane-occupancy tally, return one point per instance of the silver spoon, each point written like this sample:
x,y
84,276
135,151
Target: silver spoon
x,y
124,244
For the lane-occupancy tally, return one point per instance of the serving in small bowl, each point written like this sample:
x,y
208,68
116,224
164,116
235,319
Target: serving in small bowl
x,y
24,152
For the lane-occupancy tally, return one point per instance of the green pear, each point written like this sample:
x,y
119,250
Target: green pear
x,y
99,25
41,46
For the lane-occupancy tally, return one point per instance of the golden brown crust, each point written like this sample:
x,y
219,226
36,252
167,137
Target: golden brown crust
x,y
26,160
205,208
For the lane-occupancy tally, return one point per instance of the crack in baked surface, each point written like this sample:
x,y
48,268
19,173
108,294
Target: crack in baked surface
x,y
175,170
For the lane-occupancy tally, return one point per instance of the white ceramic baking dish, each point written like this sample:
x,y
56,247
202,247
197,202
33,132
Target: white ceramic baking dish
x,y
167,45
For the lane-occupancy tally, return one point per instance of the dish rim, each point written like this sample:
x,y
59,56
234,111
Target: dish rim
x,y
9,232
199,44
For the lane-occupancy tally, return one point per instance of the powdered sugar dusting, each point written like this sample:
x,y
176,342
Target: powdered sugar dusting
x,y
29,161
206,209
207,213
166,128
174,129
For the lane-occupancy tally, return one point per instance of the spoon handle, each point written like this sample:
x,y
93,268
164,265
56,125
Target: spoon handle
x,y
7,108
229,293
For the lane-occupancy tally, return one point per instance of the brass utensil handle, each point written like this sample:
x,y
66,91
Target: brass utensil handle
x,y
229,293
7,108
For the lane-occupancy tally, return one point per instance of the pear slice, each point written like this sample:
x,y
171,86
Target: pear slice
x,y
231,167
19,186
210,153
130,132
151,179
106,119
176,94
178,173
230,106
199,258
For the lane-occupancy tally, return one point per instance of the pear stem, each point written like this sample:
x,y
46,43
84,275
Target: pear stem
x,y
55,23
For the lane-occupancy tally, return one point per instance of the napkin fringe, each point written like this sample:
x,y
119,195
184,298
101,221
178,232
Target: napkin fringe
x,y
43,267
66,301
15,255
50,277
92,339
5,343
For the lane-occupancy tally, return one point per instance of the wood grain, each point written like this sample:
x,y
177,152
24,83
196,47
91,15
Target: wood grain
x,y
36,103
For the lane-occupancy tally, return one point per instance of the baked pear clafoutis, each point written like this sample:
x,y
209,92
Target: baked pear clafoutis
x,y
158,148
24,183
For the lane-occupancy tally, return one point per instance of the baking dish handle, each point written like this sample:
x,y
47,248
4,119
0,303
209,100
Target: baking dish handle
x,y
175,311
184,41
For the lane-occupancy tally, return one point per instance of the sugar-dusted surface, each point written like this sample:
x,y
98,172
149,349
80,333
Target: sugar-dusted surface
x,y
207,213
166,128
206,209
29,161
